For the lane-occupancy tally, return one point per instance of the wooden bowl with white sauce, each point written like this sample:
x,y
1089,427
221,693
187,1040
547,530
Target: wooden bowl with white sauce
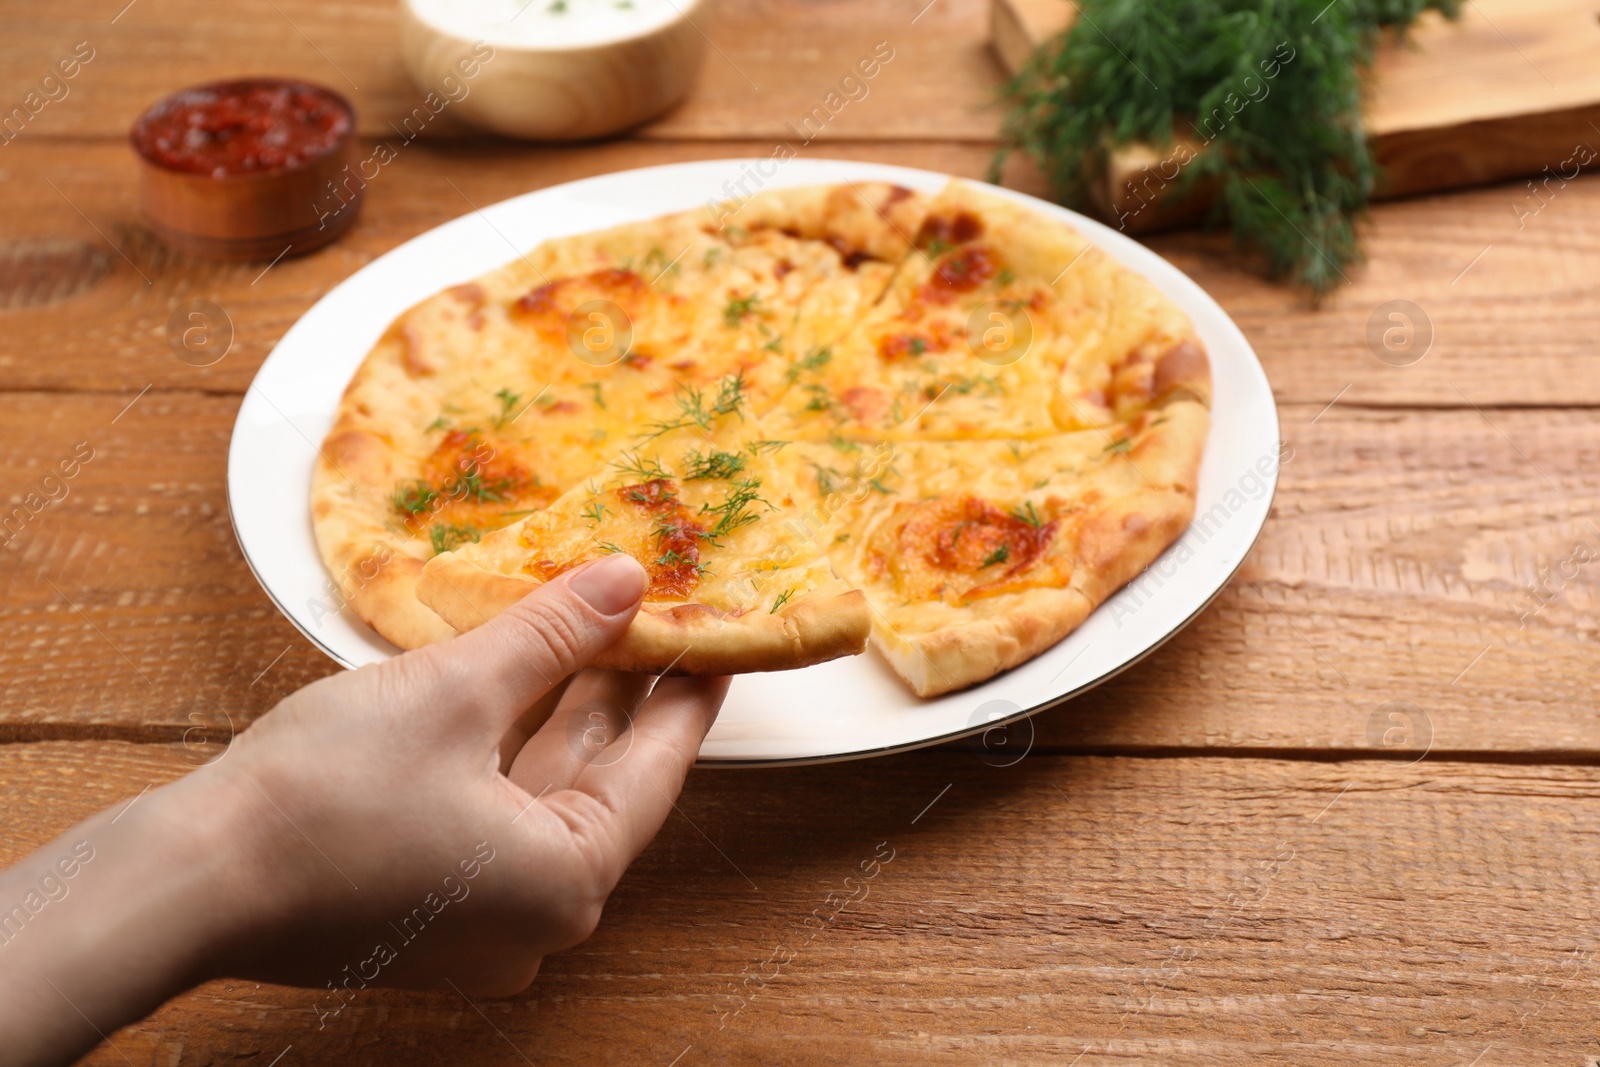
x,y
553,70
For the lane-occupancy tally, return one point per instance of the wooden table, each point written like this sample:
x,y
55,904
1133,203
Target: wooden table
x,y
1214,859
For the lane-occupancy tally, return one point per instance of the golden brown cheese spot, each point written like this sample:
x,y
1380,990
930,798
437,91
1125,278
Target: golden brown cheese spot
x,y
849,256
959,228
939,338
412,352
675,538
546,307
1184,364
472,294
960,549
468,485
864,403
961,271
1133,378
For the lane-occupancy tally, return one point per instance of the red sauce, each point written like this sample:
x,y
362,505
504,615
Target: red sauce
x,y
243,127
675,571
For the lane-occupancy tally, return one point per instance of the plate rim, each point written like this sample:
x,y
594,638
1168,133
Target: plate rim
x,y
1096,231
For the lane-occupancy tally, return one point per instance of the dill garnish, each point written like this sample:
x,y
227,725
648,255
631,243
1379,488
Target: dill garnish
x,y
704,466
1027,514
1270,91
447,536
816,359
734,511
694,409
646,469
415,498
740,307
508,400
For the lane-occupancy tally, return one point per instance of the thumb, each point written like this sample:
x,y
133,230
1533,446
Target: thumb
x,y
498,670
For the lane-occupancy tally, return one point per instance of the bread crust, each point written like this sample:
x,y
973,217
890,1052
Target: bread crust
x,y
666,638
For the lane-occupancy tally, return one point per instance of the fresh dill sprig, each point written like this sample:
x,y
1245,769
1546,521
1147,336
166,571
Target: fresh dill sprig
x,y
783,598
999,555
1027,514
735,509
594,512
692,408
704,466
645,468
825,479
448,536
1271,92
740,307
816,359
508,400
415,497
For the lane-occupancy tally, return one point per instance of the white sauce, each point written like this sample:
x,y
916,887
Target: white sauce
x,y
548,23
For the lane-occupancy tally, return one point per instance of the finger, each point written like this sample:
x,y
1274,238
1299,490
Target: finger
x,y
640,789
591,723
495,673
528,723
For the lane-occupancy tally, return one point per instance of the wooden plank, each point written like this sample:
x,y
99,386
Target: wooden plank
x,y
1511,88
1509,301
938,82
1399,555
1189,911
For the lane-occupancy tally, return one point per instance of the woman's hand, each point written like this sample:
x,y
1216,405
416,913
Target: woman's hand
x,y
444,818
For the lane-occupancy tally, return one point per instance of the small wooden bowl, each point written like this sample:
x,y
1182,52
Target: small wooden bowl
x,y
235,214
547,91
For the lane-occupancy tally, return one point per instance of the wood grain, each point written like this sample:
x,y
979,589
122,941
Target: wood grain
x,y
1187,911
1509,304
1400,552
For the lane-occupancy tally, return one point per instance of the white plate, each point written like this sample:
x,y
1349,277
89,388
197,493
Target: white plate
x,y
847,708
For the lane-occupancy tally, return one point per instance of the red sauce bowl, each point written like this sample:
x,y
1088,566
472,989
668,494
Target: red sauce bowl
x,y
250,169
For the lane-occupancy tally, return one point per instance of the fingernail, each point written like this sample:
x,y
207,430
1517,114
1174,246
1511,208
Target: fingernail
x,y
610,585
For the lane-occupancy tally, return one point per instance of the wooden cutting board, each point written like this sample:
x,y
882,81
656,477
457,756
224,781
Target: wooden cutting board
x,y
1510,89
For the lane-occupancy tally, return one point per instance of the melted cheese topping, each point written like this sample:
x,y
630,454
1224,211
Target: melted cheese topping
x,y
958,550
